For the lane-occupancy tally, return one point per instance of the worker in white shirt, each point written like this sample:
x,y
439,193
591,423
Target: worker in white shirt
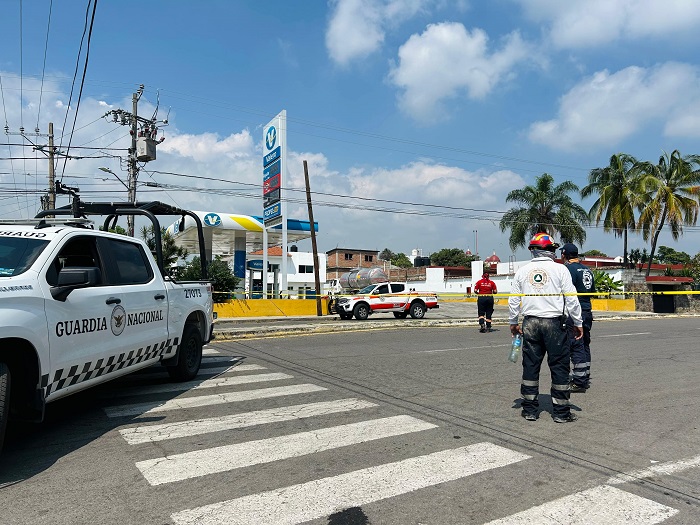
x,y
539,288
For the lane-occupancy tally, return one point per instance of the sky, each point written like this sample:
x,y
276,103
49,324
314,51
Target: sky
x,y
416,117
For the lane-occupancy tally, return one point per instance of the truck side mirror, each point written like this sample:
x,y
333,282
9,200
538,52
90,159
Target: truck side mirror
x,y
70,279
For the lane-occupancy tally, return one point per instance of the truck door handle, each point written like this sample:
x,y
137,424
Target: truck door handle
x,y
159,297
113,300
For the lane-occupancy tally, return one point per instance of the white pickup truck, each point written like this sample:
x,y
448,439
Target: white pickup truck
x,y
385,297
80,306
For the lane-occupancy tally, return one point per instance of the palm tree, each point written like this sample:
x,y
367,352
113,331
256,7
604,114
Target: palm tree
x,y
544,207
671,189
617,198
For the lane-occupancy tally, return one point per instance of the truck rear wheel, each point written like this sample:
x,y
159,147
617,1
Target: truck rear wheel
x,y
361,311
4,400
417,310
189,355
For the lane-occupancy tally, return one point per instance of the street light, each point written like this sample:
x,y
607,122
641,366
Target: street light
x,y
107,170
476,243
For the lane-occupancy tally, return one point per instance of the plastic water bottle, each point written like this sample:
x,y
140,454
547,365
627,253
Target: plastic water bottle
x,y
515,348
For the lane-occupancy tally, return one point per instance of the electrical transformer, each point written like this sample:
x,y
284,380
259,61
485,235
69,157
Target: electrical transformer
x,y
145,149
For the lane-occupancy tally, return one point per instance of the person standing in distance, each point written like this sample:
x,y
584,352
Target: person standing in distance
x,y
485,288
539,288
582,278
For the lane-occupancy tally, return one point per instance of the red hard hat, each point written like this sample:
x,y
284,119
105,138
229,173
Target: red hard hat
x,y
542,241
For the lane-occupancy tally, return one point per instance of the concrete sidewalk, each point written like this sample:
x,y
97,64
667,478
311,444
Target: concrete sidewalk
x,y
449,314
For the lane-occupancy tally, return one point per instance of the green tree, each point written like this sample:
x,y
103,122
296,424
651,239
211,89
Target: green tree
x,y
635,256
670,256
220,275
117,229
386,255
171,251
401,260
593,253
450,257
547,208
670,189
617,199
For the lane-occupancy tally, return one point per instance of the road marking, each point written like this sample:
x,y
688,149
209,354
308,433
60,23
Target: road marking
x,y
318,498
624,335
214,399
600,505
229,457
210,351
462,348
660,469
151,433
199,384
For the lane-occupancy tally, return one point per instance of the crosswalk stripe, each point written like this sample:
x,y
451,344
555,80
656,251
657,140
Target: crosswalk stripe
x,y
317,498
152,433
602,505
214,399
199,384
228,457
660,469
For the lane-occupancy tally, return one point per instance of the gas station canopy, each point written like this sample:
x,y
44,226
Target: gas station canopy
x,y
226,233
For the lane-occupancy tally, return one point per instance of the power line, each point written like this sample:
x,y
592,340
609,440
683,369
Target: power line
x,y
43,68
82,82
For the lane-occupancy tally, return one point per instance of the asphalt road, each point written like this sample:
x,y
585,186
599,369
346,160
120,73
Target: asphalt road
x,y
401,425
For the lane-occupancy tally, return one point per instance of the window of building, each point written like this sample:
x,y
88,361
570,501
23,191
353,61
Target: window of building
x,y
305,268
348,257
368,258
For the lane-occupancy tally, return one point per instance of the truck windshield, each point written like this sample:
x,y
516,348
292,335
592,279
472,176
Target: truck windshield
x,y
367,289
17,254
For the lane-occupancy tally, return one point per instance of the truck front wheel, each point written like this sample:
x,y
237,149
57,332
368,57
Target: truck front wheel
x,y
417,310
361,311
189,356
4,399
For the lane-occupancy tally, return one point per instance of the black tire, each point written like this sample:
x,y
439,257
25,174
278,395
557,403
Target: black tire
x,y
417,310
189,355
361,311
400,315
4,400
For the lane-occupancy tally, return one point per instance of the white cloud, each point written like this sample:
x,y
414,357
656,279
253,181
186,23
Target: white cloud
x,y
206,146
584,23
447,61
357,28
606,108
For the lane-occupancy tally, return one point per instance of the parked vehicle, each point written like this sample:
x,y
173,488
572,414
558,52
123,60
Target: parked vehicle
x,y
385,297
80,306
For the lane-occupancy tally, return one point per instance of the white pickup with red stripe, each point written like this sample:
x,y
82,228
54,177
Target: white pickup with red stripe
x,y
385,297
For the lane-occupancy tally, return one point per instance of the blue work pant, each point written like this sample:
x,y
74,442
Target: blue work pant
x,y
581,350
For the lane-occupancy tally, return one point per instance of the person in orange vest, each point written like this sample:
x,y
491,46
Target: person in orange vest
x,y
485,288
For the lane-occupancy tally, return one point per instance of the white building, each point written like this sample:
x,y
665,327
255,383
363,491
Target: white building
x,y
300,273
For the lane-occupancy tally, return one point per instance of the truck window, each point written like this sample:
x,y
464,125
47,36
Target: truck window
x,y
78,252
397,288
383,289
17,254
130,263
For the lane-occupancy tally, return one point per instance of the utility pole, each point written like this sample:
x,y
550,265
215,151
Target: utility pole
x,y
143,144
52,171
317,278
133,166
